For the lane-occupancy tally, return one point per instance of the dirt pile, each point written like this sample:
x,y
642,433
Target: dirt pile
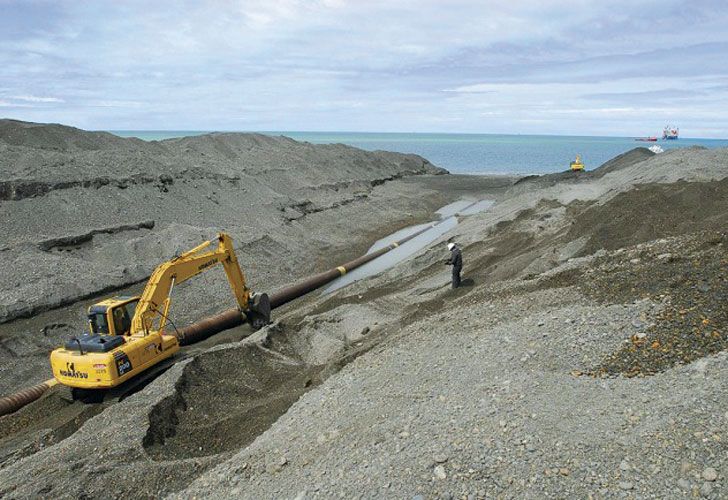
x,y
483,391
56,137
88,213
688,276
649,212
111,199
249,384
513,385
620,162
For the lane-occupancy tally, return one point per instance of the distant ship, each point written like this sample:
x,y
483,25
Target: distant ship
x,y
647,139
670,133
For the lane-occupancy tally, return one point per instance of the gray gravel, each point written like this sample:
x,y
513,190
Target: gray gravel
x,y
482,392
113,209
399,387
86,215
486,399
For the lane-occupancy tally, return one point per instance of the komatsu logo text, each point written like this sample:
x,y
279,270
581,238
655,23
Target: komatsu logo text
x,y
70,371
207,264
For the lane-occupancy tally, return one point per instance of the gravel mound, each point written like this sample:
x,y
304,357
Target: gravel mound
x,y
584,357
561,369
59,137
486,398
87,214
620,162
689,277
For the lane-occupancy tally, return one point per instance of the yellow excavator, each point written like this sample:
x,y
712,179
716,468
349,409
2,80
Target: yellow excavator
x,y
577,165
127,334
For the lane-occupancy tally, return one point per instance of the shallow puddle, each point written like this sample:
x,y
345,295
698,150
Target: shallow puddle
x,y
448,220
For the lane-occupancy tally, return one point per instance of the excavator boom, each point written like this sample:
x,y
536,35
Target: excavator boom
x,y
155,299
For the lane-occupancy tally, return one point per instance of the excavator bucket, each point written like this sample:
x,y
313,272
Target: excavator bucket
x,y
259,313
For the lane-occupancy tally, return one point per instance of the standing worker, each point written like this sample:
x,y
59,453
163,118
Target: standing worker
x,y
456,261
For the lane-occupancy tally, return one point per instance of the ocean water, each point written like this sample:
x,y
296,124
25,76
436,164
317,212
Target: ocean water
x,y
476,153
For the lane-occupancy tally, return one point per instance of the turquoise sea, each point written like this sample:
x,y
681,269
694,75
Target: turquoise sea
x,y
477,153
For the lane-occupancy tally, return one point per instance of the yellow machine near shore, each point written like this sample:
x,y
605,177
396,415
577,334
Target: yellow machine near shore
x,y
577,165
127,334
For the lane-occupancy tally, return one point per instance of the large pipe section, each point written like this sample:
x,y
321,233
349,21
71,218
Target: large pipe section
x,y
231,318
14,402
311,283
209,326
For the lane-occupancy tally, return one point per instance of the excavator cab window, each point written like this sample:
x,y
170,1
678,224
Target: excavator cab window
x,y
116,321
122,318
98,323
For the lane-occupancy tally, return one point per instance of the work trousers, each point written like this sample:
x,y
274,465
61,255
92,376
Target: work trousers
x,y
456,277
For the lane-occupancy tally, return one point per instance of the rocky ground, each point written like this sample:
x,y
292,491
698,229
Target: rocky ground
x,y
491,394
87,214
584,357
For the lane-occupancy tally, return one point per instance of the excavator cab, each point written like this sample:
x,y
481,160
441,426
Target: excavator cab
x,y
112,316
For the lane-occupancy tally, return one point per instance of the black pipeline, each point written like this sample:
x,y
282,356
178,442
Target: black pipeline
x,y
231,318
14,402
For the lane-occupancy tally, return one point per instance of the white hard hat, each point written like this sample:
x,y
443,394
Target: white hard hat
x,y
450,246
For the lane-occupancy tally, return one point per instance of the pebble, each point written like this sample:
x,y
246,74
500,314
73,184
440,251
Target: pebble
x,y
624,466
638,324
440,472
684,484
706,489
441,459
710,474
664,256
626,485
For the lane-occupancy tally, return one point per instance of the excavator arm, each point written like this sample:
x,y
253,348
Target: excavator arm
x,y
154,302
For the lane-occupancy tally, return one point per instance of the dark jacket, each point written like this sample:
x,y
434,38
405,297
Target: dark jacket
x,y
456,258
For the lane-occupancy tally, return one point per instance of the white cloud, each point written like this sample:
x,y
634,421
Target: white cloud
x,y
32,98
460,65
114,103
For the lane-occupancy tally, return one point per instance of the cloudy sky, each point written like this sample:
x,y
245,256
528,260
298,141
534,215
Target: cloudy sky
x,y
571,67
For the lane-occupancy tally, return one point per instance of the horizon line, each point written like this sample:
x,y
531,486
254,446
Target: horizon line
x,y
266,132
